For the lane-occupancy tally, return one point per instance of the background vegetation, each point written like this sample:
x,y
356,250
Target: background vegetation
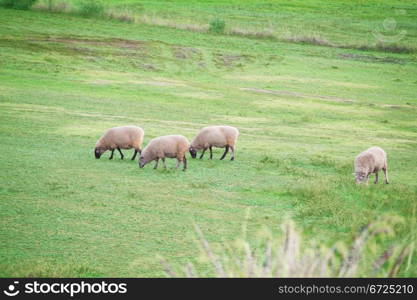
x,y
309,84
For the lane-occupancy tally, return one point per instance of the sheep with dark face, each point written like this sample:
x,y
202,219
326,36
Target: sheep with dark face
x,y
370,161
215,136
171,146
124,137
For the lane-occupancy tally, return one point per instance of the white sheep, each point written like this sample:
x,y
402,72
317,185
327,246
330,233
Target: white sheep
x,y
123,137
370,161
171,146
215,136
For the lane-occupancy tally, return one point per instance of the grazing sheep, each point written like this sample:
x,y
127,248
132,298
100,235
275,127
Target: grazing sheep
x,y
171,146
124,137
370,161
215,136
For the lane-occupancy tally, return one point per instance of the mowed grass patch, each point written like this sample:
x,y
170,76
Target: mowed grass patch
x,y
67,79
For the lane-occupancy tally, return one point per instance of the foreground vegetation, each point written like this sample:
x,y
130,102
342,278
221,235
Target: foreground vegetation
x,y
304,110
292,257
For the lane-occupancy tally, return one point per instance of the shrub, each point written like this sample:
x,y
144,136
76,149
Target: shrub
x,y
217,26
122,15
308,39
17,4
91,8
260,34
57,6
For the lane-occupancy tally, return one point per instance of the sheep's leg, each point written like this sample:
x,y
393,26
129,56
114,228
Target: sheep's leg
x,y
111,156
134,154
163,160
386,174
121,154
202,154
185,163
376,178
225,152
178,163
156,164
211,152
233,153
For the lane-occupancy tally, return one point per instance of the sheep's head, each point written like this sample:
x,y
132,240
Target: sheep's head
x,y
193,152
360,177
142,161
98,151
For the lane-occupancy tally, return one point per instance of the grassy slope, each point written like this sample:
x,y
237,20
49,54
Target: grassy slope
x,y
65,79
342,22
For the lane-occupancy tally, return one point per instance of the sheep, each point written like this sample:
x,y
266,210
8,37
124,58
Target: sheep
x,y
123,137
370,161
171,146
215,136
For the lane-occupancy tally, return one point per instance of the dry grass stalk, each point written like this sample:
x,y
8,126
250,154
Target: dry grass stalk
x,y
289,257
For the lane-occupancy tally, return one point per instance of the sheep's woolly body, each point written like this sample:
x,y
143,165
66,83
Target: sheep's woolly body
x,y
123,137
370,161
171,146
216,136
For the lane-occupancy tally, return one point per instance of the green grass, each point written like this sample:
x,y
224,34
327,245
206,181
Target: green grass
x,y
386,25
304,111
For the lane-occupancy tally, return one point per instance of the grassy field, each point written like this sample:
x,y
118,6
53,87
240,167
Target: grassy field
x,y
304,112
